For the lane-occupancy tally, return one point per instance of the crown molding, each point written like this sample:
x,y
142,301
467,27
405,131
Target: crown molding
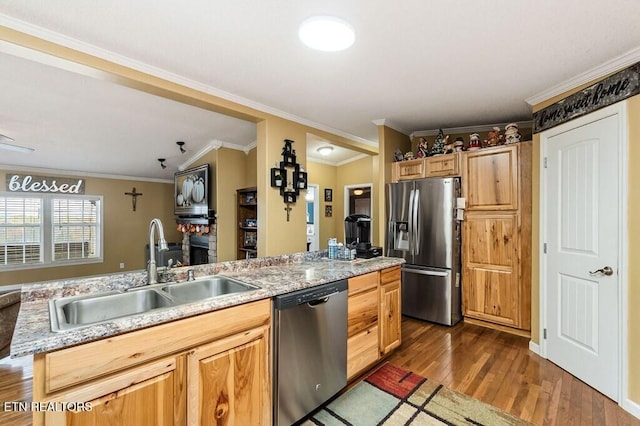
x,y
388,123
337,164
8,167
108,55
469,129
199,154
616,64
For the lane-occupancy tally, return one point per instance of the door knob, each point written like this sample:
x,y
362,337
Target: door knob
x,y
605,271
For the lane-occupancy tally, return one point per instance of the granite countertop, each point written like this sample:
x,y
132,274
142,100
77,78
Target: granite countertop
x,y
272,276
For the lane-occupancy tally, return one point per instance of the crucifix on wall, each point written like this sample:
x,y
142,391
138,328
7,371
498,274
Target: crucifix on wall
x,y
134,197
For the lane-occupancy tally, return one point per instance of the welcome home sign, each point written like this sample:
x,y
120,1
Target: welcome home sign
x,y
44,184
615,88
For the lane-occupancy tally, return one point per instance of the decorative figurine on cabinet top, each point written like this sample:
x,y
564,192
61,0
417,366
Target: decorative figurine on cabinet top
x,y
448,146
458,145
438,145
423,148
408,156
474,142
397,155
494,138
511,133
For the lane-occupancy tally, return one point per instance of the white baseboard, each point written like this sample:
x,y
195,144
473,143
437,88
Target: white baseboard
x,y
631,407
534,347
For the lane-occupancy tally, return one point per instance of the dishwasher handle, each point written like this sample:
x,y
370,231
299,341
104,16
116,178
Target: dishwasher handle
x,y
317,302
322,300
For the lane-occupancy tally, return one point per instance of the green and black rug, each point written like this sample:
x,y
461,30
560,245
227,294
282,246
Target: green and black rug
x,y
394,396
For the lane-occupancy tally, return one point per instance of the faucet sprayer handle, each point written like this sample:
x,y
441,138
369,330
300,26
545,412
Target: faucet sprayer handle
x,y
190,275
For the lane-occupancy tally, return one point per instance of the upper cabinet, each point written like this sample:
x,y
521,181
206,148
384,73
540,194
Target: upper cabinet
x,y
436,166
491,179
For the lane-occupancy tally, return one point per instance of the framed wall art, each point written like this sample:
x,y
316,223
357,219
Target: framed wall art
x,y
328,195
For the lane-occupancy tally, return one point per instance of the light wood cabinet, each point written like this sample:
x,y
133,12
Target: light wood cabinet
x,y
181,372
228,381
362,323
390,310
117,400
410,169
443,165
437,166
496,252
490,180
374,318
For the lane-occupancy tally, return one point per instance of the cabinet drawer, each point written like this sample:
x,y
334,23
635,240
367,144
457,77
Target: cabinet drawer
x,y
363,283
362,311
443,165
389,275
362,351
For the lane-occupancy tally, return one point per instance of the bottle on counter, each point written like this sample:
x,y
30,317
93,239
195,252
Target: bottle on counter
x,y
333,247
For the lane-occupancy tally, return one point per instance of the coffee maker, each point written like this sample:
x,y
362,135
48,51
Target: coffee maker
x,y
357,235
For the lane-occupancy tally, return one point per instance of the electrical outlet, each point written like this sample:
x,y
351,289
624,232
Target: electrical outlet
x,y
121,265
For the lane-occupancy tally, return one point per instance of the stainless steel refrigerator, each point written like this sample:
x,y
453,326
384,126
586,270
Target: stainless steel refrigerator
x,y
424,231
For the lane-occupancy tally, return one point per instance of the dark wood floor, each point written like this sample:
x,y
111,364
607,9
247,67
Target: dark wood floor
x,y
492,366
499,369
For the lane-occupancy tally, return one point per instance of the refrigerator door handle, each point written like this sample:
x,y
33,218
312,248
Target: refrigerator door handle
x,y
427,272
416,231
411,225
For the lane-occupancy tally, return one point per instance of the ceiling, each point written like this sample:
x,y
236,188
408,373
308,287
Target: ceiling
x,y
418,65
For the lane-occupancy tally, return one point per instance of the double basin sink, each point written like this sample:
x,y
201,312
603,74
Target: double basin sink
x,y
76,311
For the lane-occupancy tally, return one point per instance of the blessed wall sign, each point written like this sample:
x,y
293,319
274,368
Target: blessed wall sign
x,y
615,88
44,184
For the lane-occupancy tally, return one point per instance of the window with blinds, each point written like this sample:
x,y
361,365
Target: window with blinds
x,y
21,221
49,230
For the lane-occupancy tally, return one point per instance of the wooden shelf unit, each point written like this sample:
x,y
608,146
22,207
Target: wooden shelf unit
x,y
247,214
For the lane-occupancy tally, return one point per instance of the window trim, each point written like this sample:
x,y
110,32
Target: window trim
x,y
47,232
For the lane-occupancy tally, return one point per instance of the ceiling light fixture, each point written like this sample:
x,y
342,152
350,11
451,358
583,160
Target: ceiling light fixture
x,y
5,143
162,160
325,150
326,33
358,192
181,146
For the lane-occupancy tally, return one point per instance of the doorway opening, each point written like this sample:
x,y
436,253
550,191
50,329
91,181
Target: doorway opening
x,y
313,217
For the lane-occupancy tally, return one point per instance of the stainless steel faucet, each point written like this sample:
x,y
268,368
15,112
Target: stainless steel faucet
x,y
152,269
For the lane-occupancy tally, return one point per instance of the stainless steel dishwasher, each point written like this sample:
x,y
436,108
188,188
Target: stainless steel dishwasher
x,y
310,342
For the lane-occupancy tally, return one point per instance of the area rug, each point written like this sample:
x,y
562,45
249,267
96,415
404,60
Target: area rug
x,y
394,396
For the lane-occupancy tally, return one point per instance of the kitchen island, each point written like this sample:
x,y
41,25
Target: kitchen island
x,y
210,358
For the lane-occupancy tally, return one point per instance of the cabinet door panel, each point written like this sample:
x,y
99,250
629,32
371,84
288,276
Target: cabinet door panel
x,y
490,179
443,165
117,400
229,381
490,239
390,317
362,351
491,295
362,312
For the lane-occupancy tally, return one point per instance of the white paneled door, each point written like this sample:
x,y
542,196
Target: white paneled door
x,y
581,204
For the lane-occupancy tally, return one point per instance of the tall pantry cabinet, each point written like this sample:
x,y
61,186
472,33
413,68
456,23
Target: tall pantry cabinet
x,y
496,259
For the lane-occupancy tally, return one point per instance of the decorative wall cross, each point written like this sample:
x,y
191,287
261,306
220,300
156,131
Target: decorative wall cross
x,y
134,197
288,210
